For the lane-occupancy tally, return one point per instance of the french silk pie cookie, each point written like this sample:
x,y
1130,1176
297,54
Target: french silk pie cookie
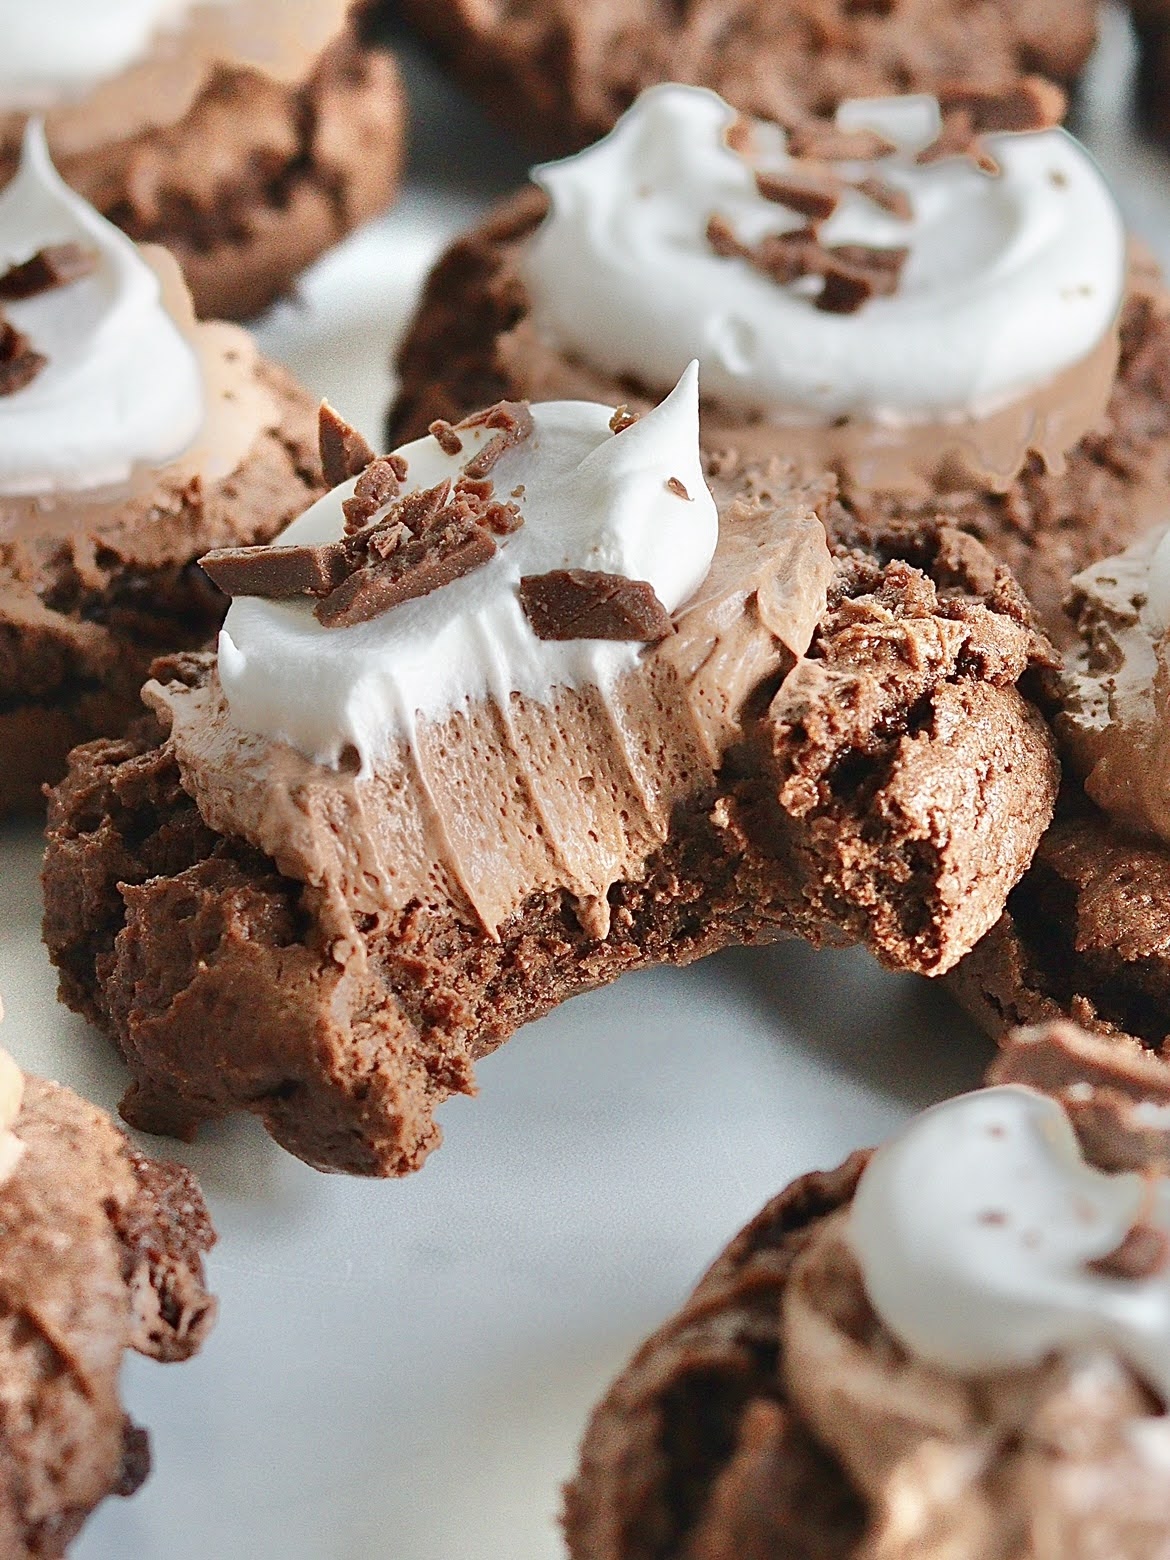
x,y
131,440
1087,934
527,704
958,1346
936,303
101,1251
245,135
561,72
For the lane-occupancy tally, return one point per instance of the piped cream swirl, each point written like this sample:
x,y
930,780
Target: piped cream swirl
x,y
121,386
975,1230
591,499
1010,281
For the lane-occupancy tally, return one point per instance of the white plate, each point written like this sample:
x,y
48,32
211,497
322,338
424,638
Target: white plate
x,y
402,1371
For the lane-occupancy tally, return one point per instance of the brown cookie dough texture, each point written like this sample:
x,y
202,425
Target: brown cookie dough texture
x,y
93,588
560,73
100,1252
775,1415
248,144
1086,934
211,904
472,340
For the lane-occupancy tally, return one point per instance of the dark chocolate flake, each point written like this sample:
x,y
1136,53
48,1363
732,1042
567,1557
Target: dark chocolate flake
x,y
54,266
20,362
276,573
582,604
513,422
344,452
812,193
1144,1253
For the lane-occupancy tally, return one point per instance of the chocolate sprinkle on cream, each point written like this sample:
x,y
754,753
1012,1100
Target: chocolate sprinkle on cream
x,y
376,487
20,363
582,604
344,452
821,141
445,437
812,193
622,419
1144,1253
852,273
512,419
54,266
970,113
888,197
674,485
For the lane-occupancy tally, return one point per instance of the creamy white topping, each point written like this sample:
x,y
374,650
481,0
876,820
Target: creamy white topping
x,y
591,499
1010,279
121,386
55,50
974,1229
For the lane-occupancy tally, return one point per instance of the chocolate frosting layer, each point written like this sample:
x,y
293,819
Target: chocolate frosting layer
x,y
490,805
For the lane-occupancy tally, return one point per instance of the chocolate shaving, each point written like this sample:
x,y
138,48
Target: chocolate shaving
x,y
54,266
1144,1253
852,273
888,196
344,453
811,193
276,573
513,419
674,485
424,540
738,136
582,604
376,487
623,418
1031,104
445,437
821,141
20,362
959,137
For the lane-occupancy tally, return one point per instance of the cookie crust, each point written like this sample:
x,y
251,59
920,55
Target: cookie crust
x,y
102,1252
1046,526
559,74
83,615
258,178
855,808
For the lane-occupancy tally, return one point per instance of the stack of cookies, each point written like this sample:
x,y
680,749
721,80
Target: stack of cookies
x,y
774,542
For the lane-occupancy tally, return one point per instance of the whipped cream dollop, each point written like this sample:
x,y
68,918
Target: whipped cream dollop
x,y
591,499
975,1229
121,385
1010,279
59,49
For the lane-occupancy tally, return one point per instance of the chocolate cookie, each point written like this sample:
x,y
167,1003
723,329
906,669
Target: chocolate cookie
x,y
1087,932
100,1252
913,1355
392,841
139,440
1022,398
560,74
246,138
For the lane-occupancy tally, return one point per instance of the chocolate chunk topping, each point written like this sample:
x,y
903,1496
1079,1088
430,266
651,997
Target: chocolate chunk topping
x,y
821,140
581,604
276,573
377,485
54,266
445,437
888,197
623,418
20,363
675,486
970,113
738,136
812,193
344,453
1144,1253
413,567
423,540
852,273
513,419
